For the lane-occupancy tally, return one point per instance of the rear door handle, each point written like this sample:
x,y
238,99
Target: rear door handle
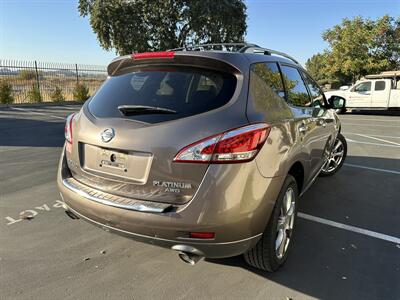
x,y
303,128
321,122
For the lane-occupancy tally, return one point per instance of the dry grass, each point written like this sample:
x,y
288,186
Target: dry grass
x,y
24,75
21,88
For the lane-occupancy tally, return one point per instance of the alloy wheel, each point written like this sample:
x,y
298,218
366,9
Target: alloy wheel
x,y
285,223
335,158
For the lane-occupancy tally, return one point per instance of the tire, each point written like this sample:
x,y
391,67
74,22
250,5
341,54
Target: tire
x,y
264,255
333,164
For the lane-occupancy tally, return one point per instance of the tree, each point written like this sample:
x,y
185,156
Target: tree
x,y
316,66
357,47
320,68
386,42
81,92
57,95
34,94
6,93
144,25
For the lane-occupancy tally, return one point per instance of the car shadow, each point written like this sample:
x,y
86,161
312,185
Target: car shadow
x,y
326,262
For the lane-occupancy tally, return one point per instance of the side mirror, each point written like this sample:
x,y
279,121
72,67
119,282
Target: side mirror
x,y
336,102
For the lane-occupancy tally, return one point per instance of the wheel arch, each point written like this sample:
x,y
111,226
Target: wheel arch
x,y
297,171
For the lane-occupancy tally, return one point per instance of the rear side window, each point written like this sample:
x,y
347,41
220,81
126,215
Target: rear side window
x,y
296,89
186,91
268,74
380,85
267,92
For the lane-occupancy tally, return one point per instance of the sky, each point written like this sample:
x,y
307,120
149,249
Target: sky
x,y
53,31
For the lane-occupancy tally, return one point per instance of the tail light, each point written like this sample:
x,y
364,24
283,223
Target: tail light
x,y
237,145
146,55
68,128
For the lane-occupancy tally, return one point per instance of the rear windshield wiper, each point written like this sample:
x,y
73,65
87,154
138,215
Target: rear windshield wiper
x,y
129,110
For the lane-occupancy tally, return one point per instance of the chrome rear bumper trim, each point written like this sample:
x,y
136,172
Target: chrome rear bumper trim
x,y
112,200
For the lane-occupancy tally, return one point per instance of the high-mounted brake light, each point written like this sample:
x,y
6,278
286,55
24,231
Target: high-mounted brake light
x,y
237,145
146,55
68,128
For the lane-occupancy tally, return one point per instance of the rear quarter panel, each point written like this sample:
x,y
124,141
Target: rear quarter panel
x,y
282,147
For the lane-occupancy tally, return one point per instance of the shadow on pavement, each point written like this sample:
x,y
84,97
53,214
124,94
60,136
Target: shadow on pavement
x,y
23,132
327,263
330,263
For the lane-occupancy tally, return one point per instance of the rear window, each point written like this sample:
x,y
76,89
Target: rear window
x,y
186,91
380,85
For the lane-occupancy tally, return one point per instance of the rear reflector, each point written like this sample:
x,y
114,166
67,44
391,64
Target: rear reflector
x,y
68,128
237,145
202,235
146,55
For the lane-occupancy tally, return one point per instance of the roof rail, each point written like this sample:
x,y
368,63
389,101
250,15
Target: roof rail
x,y
266,51
235,47
212,46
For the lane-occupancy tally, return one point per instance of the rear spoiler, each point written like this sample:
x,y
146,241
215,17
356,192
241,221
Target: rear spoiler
x,y
128,63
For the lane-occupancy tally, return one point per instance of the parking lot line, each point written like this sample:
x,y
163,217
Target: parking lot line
x,y
37,113
378,135
378,120
370,125
372,169
359,230
65,107
378,139
368,143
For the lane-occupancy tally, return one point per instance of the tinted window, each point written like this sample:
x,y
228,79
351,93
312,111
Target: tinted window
x,y
269,74
267,92
296,89
363,87
317,95
380,85
186,91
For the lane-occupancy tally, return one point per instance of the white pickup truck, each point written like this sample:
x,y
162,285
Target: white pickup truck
x,y
370,93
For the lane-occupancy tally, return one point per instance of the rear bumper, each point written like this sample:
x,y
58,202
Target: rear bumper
x,y
215,250
233,201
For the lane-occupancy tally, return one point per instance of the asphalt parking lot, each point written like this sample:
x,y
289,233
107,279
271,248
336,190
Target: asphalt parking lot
x,y
347,244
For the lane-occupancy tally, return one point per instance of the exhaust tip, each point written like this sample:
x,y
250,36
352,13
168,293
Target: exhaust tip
x,y
189,258
71,215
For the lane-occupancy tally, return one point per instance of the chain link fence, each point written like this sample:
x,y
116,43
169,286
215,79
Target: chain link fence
x,y
33,80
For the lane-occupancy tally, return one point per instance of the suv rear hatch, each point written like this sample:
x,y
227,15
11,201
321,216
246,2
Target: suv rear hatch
x,y
127,135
